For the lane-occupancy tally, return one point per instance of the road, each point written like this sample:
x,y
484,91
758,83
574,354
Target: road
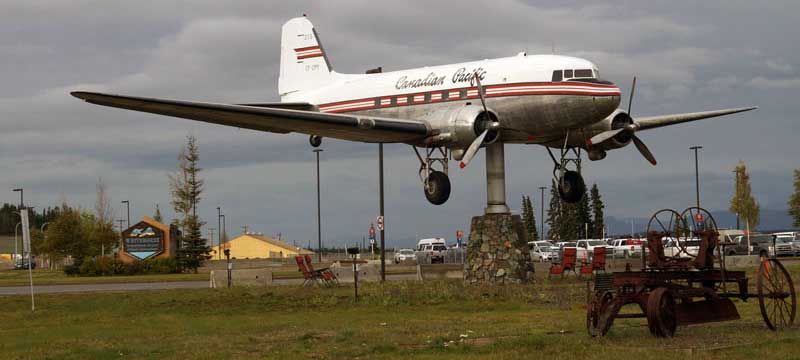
x,y
78,288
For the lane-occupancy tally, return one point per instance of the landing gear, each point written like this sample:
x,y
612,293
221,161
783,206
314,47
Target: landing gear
x,y
570,182
315,141
435,183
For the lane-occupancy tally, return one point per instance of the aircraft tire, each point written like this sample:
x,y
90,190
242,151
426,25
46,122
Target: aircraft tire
x,y
571,187
438,189
315,140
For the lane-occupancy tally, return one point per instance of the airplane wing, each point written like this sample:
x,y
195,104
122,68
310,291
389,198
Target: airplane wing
x,y
273,117
652,122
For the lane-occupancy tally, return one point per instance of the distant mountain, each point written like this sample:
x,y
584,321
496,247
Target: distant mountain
x,y
771,220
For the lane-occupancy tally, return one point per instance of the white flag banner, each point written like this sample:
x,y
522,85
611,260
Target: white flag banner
x,y
26,232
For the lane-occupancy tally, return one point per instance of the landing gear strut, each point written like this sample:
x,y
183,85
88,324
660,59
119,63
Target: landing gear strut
x,y
436,183
570,182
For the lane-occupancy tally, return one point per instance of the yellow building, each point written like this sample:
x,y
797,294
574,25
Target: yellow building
x,y
257,246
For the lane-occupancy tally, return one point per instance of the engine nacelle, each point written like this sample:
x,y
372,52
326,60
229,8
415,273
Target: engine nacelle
x,y
618,119
460,126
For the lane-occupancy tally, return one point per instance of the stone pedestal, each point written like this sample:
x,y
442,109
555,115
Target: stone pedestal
x,y
497,251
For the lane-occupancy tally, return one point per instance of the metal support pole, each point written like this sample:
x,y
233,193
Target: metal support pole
x,y
696,174
383,234
496,180
319,215
541,215
128,205
219,234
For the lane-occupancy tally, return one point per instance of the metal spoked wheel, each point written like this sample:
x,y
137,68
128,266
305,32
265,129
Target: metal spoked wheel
x,y
661,317
776,295
599,303
670,225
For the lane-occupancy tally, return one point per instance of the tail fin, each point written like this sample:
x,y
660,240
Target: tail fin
x,y
304,64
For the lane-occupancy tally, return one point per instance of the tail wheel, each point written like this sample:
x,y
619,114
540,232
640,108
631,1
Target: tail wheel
x,y
661,317
776,295
571,187
437,188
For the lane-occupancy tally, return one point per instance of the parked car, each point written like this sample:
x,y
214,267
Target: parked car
x,y
542,251
22,264
760,244
790,237
433,249
586,248
682,248
627,247
404,255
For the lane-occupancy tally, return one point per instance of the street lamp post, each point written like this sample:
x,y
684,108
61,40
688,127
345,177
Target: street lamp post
x,y
128,204
383,234
219,234
541,214
319,213
696,174
21,197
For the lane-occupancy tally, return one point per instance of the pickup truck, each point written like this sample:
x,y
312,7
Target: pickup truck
x,y
434,252
761,244
627,247
682,248
586,248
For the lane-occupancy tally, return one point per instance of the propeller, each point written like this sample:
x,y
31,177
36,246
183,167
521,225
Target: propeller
x,y
630,129
476,144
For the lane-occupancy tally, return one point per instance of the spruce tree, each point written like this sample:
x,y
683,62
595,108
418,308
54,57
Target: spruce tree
x,y
598,225
794,200
186,188
554,214
529,215
583,217
742,202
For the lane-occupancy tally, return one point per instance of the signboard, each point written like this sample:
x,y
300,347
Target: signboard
x,y
371,233
143,241
459,236
26,232
380,223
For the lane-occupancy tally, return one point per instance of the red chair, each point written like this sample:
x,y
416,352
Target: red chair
x,y
599,260
308,276
325,274
567,263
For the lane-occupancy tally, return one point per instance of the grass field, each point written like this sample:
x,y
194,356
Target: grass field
x,y
435,320
50,277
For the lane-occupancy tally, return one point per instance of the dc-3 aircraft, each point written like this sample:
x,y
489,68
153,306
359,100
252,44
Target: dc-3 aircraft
x,y
448,111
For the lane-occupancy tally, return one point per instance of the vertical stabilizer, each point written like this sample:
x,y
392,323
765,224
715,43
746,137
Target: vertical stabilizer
x,y
304,64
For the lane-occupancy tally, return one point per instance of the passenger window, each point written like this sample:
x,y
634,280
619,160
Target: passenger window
x,y
427,97
410,99
377,102
583,73
393,101
557,76
463,94
567,74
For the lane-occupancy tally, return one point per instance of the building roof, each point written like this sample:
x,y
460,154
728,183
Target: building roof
x,y
272,241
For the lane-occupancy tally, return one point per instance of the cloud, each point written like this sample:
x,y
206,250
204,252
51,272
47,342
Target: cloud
x,y
765,83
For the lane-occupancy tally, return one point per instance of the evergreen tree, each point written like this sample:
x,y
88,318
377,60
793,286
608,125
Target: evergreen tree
x,y
742,202
598,225
529,218
583,217
794,200
157,215
186,187
554,214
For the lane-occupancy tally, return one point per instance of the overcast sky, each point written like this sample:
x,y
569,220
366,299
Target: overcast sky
x,y
688,56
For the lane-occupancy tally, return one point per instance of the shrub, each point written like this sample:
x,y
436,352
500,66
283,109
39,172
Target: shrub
x,y
107,266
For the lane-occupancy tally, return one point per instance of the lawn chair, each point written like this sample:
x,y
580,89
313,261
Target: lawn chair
x,y
325,274
309,278
586,267
567,263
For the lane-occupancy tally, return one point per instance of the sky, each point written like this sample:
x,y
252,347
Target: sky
x,y
687,56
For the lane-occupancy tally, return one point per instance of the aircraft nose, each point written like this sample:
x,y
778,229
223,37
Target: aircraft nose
x,y
605,105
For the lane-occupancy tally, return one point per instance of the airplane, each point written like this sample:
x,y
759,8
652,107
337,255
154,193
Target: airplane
x,y
448,111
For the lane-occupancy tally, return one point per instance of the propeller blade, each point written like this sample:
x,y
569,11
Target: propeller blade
x,y
480,91
643,149
473,149
605,135
630,99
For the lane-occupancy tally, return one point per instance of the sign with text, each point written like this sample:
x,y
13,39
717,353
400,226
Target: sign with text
x,y
143,241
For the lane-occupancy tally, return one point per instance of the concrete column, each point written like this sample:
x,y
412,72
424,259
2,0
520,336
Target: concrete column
x,y
496,179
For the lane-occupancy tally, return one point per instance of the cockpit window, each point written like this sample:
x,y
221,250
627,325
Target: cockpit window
x,y
596,74
583,73
567,74
557,76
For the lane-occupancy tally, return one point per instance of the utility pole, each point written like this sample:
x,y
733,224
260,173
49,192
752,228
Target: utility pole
x,y
21,197
319,212
219,235
383,234
128,204
696,173
223,233
541,214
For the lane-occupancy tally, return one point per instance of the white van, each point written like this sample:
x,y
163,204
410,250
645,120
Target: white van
x,y
429,243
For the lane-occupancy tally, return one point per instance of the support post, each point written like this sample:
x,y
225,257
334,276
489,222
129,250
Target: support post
x,y
383,242
496,180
